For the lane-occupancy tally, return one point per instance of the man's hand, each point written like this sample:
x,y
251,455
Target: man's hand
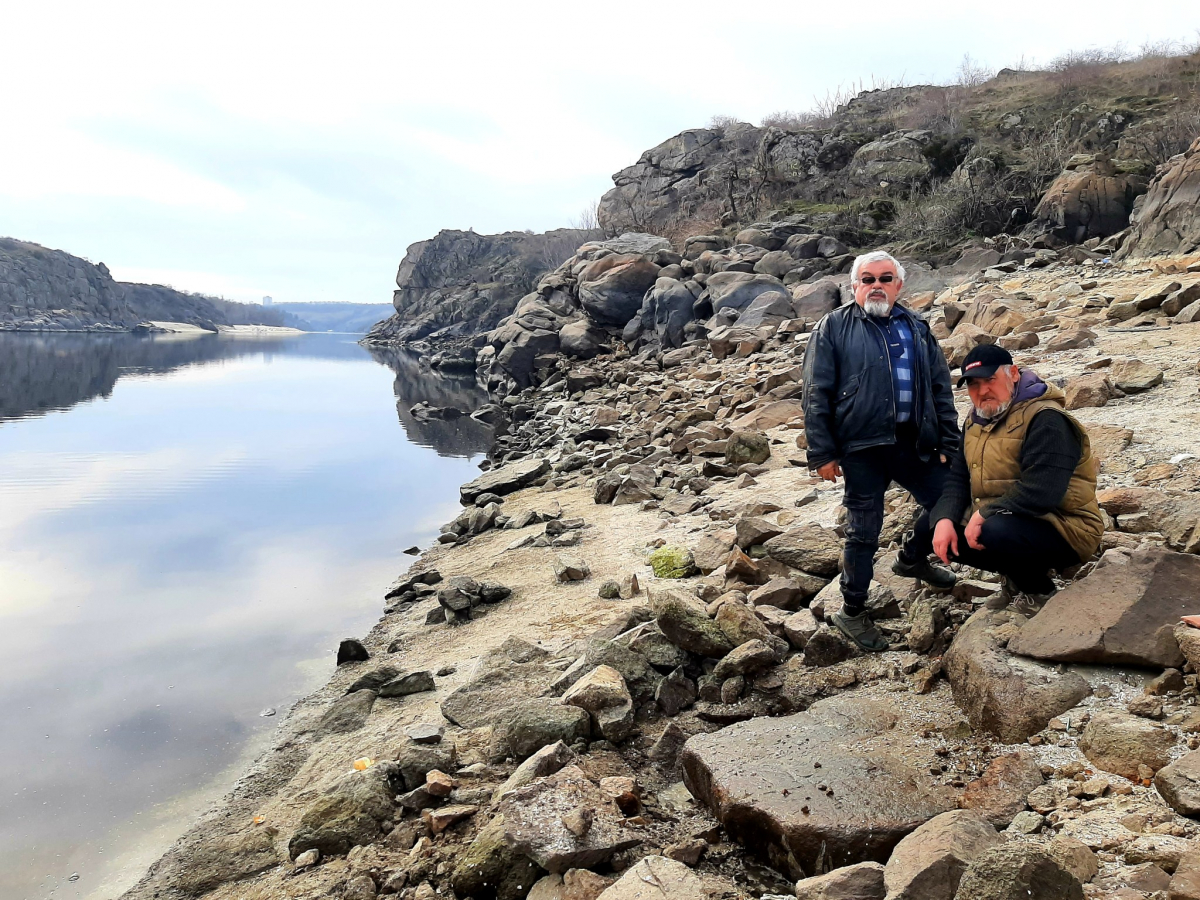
x,y
943,457
973,530
831,471
945,540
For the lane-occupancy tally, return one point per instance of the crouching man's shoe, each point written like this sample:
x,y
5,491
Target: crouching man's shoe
x,y
1029,605
861,630
935,576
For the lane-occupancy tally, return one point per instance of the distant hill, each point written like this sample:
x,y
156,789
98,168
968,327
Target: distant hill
x,y
349,318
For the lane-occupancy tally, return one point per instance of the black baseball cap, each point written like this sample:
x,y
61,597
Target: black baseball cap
x,y
983,361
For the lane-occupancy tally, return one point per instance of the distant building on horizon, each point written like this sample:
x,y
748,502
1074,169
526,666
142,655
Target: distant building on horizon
x,y
267,301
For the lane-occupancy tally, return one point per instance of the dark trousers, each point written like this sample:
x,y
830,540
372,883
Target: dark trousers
x,y
1022,548
868,474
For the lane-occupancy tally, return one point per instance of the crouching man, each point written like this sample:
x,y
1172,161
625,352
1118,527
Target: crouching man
x,y
878,408
1020,498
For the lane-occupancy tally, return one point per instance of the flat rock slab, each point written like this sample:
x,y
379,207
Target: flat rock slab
x,y
1123,613
1179,784
656,878
534,822
1006,695
762,780
504,677
504,480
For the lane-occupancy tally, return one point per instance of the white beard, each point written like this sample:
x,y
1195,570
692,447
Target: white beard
x,y
1003,408
880,308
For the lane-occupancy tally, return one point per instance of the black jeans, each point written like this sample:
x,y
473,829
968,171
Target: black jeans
x,y
1022,548
868,474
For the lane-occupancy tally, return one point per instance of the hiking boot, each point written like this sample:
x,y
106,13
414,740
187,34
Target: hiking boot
x,y
1029,605
1004,598
861,630
935,576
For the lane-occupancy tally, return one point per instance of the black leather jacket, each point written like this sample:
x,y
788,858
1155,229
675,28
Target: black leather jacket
x,y
848,400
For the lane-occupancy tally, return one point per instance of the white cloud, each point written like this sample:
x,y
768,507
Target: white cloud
x,y
296,150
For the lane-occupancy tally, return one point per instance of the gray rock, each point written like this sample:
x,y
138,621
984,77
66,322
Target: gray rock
x,y
534,827
656,878
353,811
811,548
505,479
611,288
570,568
687,625
1001,693
412,683
533,724
349,713
546,761
501,679
675,693
1018,871
490,868
743,447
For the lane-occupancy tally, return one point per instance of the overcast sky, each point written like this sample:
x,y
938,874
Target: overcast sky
x,y
295,149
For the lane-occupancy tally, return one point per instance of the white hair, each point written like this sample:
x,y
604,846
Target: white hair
x,y
873,257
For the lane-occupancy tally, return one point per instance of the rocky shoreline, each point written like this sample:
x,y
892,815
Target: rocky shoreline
x,y
613,669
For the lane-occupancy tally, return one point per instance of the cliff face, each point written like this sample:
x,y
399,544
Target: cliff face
x,y
49,290
1168,221
460,283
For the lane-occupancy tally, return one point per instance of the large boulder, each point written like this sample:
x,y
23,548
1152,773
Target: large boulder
x,y
1089,199
353,811
1123,612
1179,784
812,301
503,678
541,722
894,159
768,308
839,784
1007,695
581,339
534,823
1168,220
737,290
505,479
686,624
1018,871
810,548
490,869
929,863
611,288
668,307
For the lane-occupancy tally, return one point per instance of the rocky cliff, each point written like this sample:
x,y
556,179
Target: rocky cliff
x,y
460,283
49,290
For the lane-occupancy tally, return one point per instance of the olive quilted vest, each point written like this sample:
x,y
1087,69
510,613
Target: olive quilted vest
x,y
994,460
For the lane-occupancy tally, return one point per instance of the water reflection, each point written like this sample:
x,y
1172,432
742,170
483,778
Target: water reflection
x,y
181,547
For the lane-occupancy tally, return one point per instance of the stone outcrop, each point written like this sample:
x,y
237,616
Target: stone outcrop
x,y
1124,612
833,786
1089,199
1168,220
460,283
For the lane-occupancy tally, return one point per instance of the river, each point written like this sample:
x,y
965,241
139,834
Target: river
x,y
187,528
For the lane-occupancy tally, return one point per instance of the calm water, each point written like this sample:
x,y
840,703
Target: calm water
x,y
187,527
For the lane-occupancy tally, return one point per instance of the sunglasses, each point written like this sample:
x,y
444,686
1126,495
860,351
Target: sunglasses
x,y
870,279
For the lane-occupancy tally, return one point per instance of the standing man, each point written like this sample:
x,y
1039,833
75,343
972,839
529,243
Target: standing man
x,y
878,408
1020,498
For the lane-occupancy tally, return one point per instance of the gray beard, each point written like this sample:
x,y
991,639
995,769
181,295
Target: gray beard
x,y
880,308
999,413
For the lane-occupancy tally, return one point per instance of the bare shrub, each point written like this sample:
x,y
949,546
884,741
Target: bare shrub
x,y
720,122
789,120
972,73
1158,140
